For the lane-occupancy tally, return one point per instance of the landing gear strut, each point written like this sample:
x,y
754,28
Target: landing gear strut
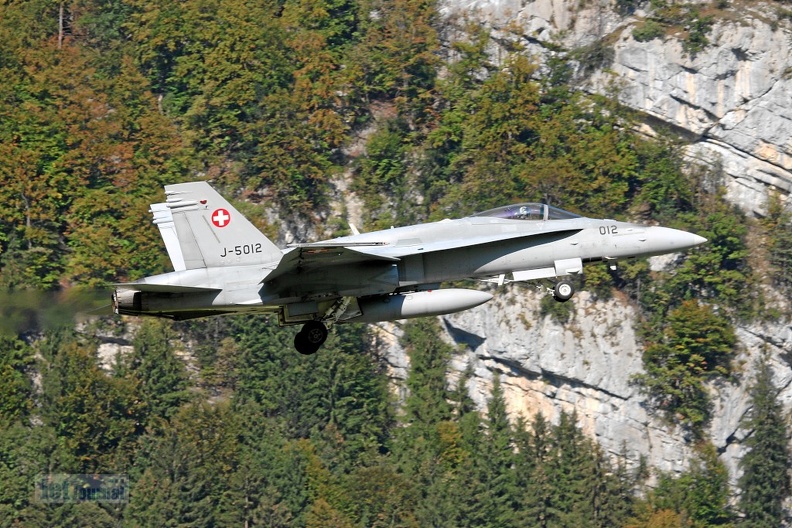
x,y
310,338
563,291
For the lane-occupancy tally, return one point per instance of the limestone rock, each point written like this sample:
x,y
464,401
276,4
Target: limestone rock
x,y
586,366
731,99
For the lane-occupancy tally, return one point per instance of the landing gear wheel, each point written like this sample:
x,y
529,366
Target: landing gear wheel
x,y
310,338
563,291
303,346
315,332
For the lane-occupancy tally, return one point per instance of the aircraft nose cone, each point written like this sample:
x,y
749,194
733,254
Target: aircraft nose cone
x,y
667,240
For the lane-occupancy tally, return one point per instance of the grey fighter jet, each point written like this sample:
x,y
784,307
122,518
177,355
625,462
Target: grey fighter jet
x,y
223,264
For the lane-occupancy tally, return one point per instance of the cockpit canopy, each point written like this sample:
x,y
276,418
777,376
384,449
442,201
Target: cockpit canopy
x,y
529,211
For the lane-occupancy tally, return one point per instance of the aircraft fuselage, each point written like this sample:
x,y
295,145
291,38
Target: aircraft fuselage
x,y
225,265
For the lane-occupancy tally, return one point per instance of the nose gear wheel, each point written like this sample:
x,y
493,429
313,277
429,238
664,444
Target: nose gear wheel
x,y
563,291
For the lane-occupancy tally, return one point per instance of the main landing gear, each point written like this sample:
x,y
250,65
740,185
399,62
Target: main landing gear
x,y
310,338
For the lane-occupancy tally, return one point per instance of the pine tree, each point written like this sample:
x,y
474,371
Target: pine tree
x,y
427,447
573,472
765,481
531,467
700,494
15,384
344,387
96,417
186,469
427,402
778,232
160,375
495,462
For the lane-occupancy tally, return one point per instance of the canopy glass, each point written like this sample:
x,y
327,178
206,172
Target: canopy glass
x,y
529,211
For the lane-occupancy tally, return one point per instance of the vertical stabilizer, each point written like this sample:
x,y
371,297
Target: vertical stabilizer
x,y
202,229
163,219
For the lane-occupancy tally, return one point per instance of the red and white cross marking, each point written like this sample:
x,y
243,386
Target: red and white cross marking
x,y
221,218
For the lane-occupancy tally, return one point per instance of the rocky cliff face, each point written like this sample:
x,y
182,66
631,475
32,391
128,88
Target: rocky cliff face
x,y
587,366
731,101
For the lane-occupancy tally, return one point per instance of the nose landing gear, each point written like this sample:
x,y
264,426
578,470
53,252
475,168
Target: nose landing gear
x,y
563,291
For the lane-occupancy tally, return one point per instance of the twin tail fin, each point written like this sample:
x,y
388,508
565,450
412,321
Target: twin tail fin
x,y
201,229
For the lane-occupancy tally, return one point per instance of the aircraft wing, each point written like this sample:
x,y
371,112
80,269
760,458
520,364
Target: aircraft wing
x,y
322,254
330,253
409,247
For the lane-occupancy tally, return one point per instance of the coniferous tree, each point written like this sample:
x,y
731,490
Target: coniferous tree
x,y
464,442
24,452
495,461
95,416
343,387
426,447
573,472
700,494
533,476
778,228
186,469
161,377
16,358
765,481
427,401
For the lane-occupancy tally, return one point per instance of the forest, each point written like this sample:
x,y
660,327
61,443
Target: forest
x,y
217,422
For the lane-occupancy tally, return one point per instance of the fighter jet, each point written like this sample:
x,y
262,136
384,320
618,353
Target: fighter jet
x,y
223,264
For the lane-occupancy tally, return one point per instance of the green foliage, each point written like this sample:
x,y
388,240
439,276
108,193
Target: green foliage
x,y
648,30
474,471
718,270
24,452
79,152
700,495
596,56
427,402
493,460
509,138
765,480
262,96
186,468
16,359
676,370
669,14
598,281
95,417
664,191
160,376
565,480
561,312
777,228
696,39
400,63
342,387
696,345
382,175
